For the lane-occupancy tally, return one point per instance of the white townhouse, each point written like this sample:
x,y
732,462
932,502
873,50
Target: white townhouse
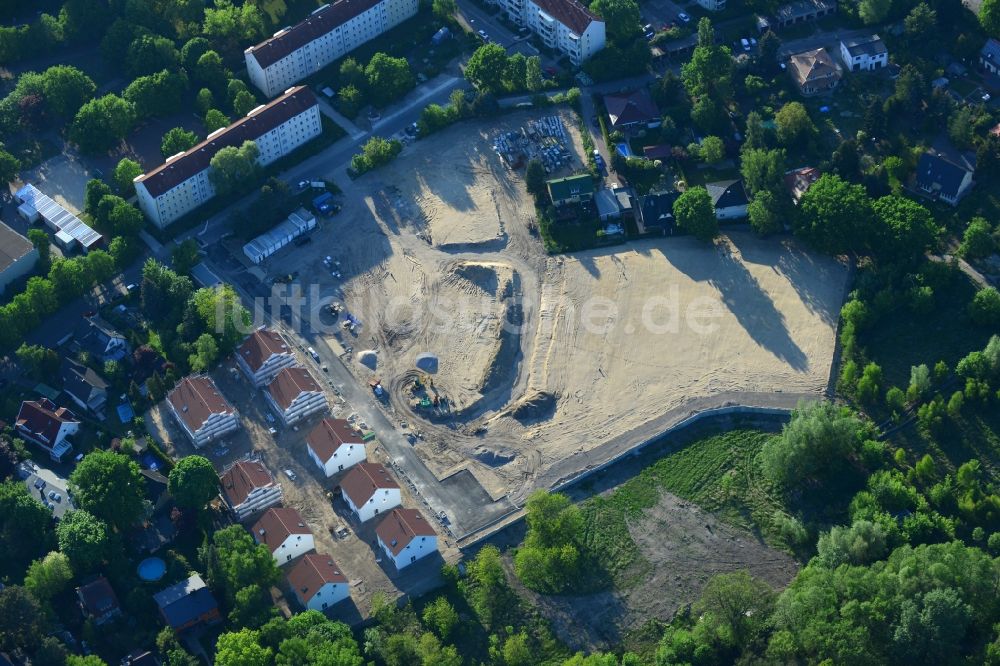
x,y
317,582
334,446
48,426
201,410
263,355
181,184
284,533
329,33
405,536
295,395
565,25
248,487
369,490
864,54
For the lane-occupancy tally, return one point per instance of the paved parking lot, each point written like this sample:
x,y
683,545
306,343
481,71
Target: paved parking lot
x,y
47,487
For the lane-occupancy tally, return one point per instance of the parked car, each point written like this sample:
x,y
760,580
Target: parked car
x,y
291,475
482,34
745,44
684,17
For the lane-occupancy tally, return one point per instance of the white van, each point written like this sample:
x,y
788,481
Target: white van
x,y
312,352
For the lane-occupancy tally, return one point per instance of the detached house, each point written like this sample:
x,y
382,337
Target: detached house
x,y
940,178
405,536
656,212
295,395
248,487
814,71
47,426
369,490
285,534
317,582
101,340
634,110
84,386
201,410
864,54
571,189
729,198
263,355
798,181
334,446
98,601
186,604
989,56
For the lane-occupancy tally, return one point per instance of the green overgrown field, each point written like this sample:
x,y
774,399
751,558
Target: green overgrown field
x,y
720,473
904,338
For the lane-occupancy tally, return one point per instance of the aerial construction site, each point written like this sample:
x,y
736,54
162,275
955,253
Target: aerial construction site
x,y
527,369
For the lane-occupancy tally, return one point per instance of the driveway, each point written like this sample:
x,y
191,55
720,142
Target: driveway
x,y
34,475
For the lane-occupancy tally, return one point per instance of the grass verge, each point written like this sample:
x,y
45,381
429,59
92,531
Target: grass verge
x,y
720,473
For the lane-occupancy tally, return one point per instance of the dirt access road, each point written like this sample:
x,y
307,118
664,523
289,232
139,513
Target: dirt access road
x,y
355,554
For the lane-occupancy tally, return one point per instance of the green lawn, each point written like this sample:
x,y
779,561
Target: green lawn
x,y
719,473
903,338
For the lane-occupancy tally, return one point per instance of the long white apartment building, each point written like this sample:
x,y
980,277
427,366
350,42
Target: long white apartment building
x,y
330,32
565,25
181,184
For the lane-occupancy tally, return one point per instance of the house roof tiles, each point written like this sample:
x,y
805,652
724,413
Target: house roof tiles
x,y
195,399
289,384
276,525
364,480
329,435
401,527
261,346
242,478
312,572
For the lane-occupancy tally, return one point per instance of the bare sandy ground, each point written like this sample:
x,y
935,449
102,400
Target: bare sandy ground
x,y
627,334
540,357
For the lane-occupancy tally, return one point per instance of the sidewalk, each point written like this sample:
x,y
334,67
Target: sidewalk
x,y
337,117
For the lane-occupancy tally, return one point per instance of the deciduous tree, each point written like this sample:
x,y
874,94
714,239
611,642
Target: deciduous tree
x,y
84,538
110,486
695,214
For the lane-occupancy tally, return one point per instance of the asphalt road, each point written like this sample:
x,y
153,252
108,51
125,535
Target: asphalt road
x,y
476,18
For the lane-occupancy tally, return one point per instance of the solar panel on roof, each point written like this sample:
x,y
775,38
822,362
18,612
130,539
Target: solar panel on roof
x,y
58,217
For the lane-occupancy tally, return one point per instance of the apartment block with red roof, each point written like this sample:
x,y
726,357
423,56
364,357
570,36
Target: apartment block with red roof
x,y
370,490
263,355
318,582
330,32
249,487
405,536
201,410
295,395
181,184
48,426
565,25
335,446
284,533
